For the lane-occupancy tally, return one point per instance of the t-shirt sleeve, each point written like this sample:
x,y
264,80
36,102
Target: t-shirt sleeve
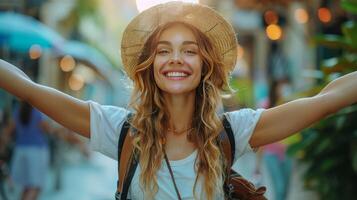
x,y
105,126
243,123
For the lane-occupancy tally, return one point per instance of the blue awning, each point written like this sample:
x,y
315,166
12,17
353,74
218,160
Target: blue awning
x,y
19,32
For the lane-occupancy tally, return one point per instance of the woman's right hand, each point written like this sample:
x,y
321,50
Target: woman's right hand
x,y
72,113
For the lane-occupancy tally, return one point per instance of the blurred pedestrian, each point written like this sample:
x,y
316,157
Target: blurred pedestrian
x,y
30,161
62,139
179,56
5,154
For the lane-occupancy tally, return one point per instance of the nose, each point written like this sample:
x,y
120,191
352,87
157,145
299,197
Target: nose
x,y
176,58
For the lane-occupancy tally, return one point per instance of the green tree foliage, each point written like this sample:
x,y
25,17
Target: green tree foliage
x,y
81,9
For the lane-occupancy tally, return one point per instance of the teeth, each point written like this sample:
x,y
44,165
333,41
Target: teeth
x,y
176,74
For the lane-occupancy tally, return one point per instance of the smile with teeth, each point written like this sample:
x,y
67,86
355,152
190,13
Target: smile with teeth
x,y
176,74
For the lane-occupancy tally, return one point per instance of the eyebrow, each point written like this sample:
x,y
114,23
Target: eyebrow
x,y
184,43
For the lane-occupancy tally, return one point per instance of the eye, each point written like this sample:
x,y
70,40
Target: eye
x,y
163,52
190,52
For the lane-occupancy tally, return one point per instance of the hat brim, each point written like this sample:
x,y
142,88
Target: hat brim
x,y
212,24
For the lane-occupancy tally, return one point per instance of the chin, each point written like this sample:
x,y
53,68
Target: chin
x,y
178,91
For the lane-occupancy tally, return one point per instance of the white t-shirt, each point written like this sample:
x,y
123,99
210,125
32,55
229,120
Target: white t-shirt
x,y
105,126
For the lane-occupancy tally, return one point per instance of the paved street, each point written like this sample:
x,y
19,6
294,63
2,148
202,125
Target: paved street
x,y
82,179
87,180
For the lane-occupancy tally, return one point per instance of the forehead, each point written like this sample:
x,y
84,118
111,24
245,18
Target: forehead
x,y
177,33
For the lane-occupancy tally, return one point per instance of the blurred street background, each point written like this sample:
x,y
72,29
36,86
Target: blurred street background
x,y
288,49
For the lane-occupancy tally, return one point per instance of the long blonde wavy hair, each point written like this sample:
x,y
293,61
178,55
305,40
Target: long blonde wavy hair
x,y
151,116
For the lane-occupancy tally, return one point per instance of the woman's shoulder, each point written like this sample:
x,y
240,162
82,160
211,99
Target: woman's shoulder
x,y
105,126
243,113
107,110
243,123
243,119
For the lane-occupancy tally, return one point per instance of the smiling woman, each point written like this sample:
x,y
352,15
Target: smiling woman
x,y
188,74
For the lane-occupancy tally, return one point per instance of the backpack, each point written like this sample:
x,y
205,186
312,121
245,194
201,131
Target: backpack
x,y
235,186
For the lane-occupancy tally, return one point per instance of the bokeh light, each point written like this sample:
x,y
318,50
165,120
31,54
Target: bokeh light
x,y
271,17
86,72
301,15
35,51
324,15
274,32
67,63
240,51
76,82
145,4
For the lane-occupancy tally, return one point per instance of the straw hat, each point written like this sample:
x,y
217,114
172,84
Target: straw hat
x,y
208,21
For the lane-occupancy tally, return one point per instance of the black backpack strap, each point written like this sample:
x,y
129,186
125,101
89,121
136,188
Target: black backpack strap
x,y
132,163
229,134
124,131
129,176
227,145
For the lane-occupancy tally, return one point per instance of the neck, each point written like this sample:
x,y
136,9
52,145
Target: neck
x,y
180,108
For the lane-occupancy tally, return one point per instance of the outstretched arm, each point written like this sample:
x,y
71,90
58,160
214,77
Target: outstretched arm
x,y
282,121
66,110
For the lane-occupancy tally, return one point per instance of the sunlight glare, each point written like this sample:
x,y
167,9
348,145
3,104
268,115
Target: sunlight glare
x,y
145,4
